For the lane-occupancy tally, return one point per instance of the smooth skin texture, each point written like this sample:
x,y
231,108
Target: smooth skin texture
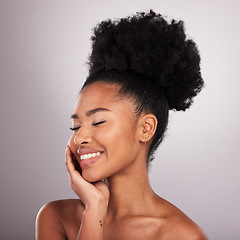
x,y
128,208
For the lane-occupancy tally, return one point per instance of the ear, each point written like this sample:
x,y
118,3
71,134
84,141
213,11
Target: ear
x,y
148,126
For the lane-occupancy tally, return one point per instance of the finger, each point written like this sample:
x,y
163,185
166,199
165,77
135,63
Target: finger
x,y
74,174
80,186
69,162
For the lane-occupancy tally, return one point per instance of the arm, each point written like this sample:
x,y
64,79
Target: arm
x,y
94,196
92,225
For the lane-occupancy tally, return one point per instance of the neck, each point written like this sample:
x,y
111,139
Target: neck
x,y
130,191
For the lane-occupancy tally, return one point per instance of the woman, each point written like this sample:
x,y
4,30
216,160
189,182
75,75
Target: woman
x,y
140,68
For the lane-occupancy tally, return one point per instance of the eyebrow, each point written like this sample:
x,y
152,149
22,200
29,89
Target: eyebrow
x,y
91,112
74,116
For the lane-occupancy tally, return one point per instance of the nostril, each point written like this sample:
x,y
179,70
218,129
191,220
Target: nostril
x,y
82,137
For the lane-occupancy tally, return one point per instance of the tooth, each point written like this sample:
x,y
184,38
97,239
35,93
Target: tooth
x,y
89,155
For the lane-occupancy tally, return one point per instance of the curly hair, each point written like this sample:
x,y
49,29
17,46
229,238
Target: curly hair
x,y
152,61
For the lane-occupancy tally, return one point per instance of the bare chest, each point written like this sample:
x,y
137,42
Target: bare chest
x,y
133,229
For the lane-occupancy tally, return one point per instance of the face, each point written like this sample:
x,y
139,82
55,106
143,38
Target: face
x,y
104,139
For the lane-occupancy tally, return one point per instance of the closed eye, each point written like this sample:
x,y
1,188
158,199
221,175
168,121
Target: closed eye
x,y
98,123
74,128
94,124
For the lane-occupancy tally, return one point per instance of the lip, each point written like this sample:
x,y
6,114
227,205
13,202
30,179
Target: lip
x,y
84,163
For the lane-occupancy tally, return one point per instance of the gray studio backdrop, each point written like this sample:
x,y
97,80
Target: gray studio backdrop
x,y
43,49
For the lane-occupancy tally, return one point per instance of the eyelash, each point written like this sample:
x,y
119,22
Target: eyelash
x,y
94,124
98,123
75,128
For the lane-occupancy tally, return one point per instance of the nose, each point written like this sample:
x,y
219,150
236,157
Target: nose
x,y
83,136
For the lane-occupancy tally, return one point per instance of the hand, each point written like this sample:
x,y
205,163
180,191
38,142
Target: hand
x,y
91,194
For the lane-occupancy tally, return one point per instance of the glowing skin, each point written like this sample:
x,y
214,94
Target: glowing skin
x,y
108,141
108,133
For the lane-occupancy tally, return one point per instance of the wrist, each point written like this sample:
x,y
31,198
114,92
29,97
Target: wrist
x,y
96,209
97,204
96,216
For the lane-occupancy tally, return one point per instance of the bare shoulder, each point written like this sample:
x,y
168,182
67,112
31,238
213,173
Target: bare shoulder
x,y
177,225
59,219
186,229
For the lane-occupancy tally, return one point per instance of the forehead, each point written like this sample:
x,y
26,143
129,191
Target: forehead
x,y
101,94
98,89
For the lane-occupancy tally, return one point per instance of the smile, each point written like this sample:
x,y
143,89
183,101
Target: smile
x,y
89,155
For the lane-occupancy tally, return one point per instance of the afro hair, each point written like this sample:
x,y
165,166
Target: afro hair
x,y
153,47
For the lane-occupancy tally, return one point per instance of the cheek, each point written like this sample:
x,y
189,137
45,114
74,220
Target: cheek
x,y
113,137
120,146
119,141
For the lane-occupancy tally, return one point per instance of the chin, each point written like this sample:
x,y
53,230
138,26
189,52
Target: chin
x,y
90,176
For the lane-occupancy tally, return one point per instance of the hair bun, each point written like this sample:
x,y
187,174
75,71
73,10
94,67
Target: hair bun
x,y
147,44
